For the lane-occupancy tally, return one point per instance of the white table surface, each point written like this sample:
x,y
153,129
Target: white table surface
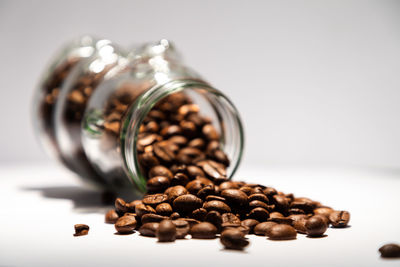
x,y
41,203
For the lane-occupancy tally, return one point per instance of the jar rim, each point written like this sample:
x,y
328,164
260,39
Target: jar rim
x,y
143,105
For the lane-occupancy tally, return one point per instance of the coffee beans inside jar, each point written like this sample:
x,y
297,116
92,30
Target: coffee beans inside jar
x,y
189,192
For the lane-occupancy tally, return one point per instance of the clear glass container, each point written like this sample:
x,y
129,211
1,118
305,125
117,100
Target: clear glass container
x,y
101,134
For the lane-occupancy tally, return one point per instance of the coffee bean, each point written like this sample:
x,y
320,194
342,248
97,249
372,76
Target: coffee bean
x,y
209,132
230,218
164,209
81,229
191,221
154,199
258,214
157,184
220,156
199,214
233,239
299,222
187,203
258,204
189,155
171,130
196,185
179,179
281,220
166,231
244,229
164,151
212,197
178,140
148,140
160,170
149,229
269,192
259,197
390,251
228,185
281,203
306,205
120,206
182,228
198,143
111,217
216,205
131,206
206,191
235,197
194,171
246,189
212,169
175,216
148,160
203,230
281,232
316,226
142,209
151,217
250,223
263,228
175,191
339,219
125,224
215,218
276,214
323,211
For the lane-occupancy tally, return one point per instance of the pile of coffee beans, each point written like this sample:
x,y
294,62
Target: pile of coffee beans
x,y
189,192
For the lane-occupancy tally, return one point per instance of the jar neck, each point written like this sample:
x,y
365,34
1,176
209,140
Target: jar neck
x,y
227,120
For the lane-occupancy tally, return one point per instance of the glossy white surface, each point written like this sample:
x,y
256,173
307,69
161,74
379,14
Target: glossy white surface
x,y
40,205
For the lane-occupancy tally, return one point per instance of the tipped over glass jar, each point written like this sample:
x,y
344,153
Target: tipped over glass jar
x,y
121,120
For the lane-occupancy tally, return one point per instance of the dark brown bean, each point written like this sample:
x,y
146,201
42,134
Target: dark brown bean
x,y
81,229
158,184
142,209
187,203
281,232
234,239
175,191
210,132
160,170
230,218
216,205
154,199
390,251
263,228
120,206
164,209
125,224
204,230
339,219
164,151
258,214
215,218
151,217
212,169
235,197
250,223
316,226
111,217
259,197
199,214
166,231
149,229
182,228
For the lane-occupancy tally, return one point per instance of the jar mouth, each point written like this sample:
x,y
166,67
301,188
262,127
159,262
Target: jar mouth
x,y
228,120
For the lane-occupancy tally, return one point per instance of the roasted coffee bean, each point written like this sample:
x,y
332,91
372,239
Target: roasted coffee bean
x,y
142,209
154,199
246,189
209,132
194,171
296,211
125,224
178,140
191,221
230,218
148,160
216,205
212,197
269,192
234,239
215,218
189,155
390,251
182,228
171,130
151,217
160,170
120,206
188,109
256,190
235,197
323,211
316,226
198,143
188,128
281,220
203,230
305,205
258,204
179,179
228,185
158,184
131,206
281,232
149,229
111,217
164,151
299,222
339,219
281,202
175,216
212,146
206,191
166,231
175,191
244,229
199,214
250,223
196,185
212,169
263,228
81,229
221,157
259,197
148,140
258,214
276,214
152,127
164,209
187,203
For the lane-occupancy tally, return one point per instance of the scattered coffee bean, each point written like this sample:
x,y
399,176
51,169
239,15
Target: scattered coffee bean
x,y
111,217
316,226
339,219
203,230
125,224
81,229
166,231
390,251
281,232
234,239
149,229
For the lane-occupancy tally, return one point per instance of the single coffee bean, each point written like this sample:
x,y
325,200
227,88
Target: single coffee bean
x,y
194,171
189,155
191,221
148,160
316,226
171,130
187,203
299,222
164,151
221,157
304,204
198,143
339,219
157,184
175,191
259,197
206,191
203,230
216,205
259,214
179,179
81,229
263,228
269,192
244,229
209,132
228,185
149,229
166,231
111,217
212,169
390,251
196,185
246,189
281,220
258,204
148,140
131,206
230,218
233,239
160,171
178,140
182,228
120,206
215,218
281,232
154,199
324,211
125,224
199,214
281,202
142,209
212,197
175,216
276,214
164,209
250,223
151,217
235,197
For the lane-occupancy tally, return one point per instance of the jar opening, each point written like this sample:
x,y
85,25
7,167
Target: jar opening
x,y
213,103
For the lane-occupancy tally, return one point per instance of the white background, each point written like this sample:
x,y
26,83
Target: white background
x,y
316,82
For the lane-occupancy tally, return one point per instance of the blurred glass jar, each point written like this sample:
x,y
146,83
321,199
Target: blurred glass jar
x,y
94,97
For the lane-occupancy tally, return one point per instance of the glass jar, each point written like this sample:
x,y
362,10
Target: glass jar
x,y
98,130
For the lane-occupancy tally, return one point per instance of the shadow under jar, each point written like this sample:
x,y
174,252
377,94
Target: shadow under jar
x,y
142,103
